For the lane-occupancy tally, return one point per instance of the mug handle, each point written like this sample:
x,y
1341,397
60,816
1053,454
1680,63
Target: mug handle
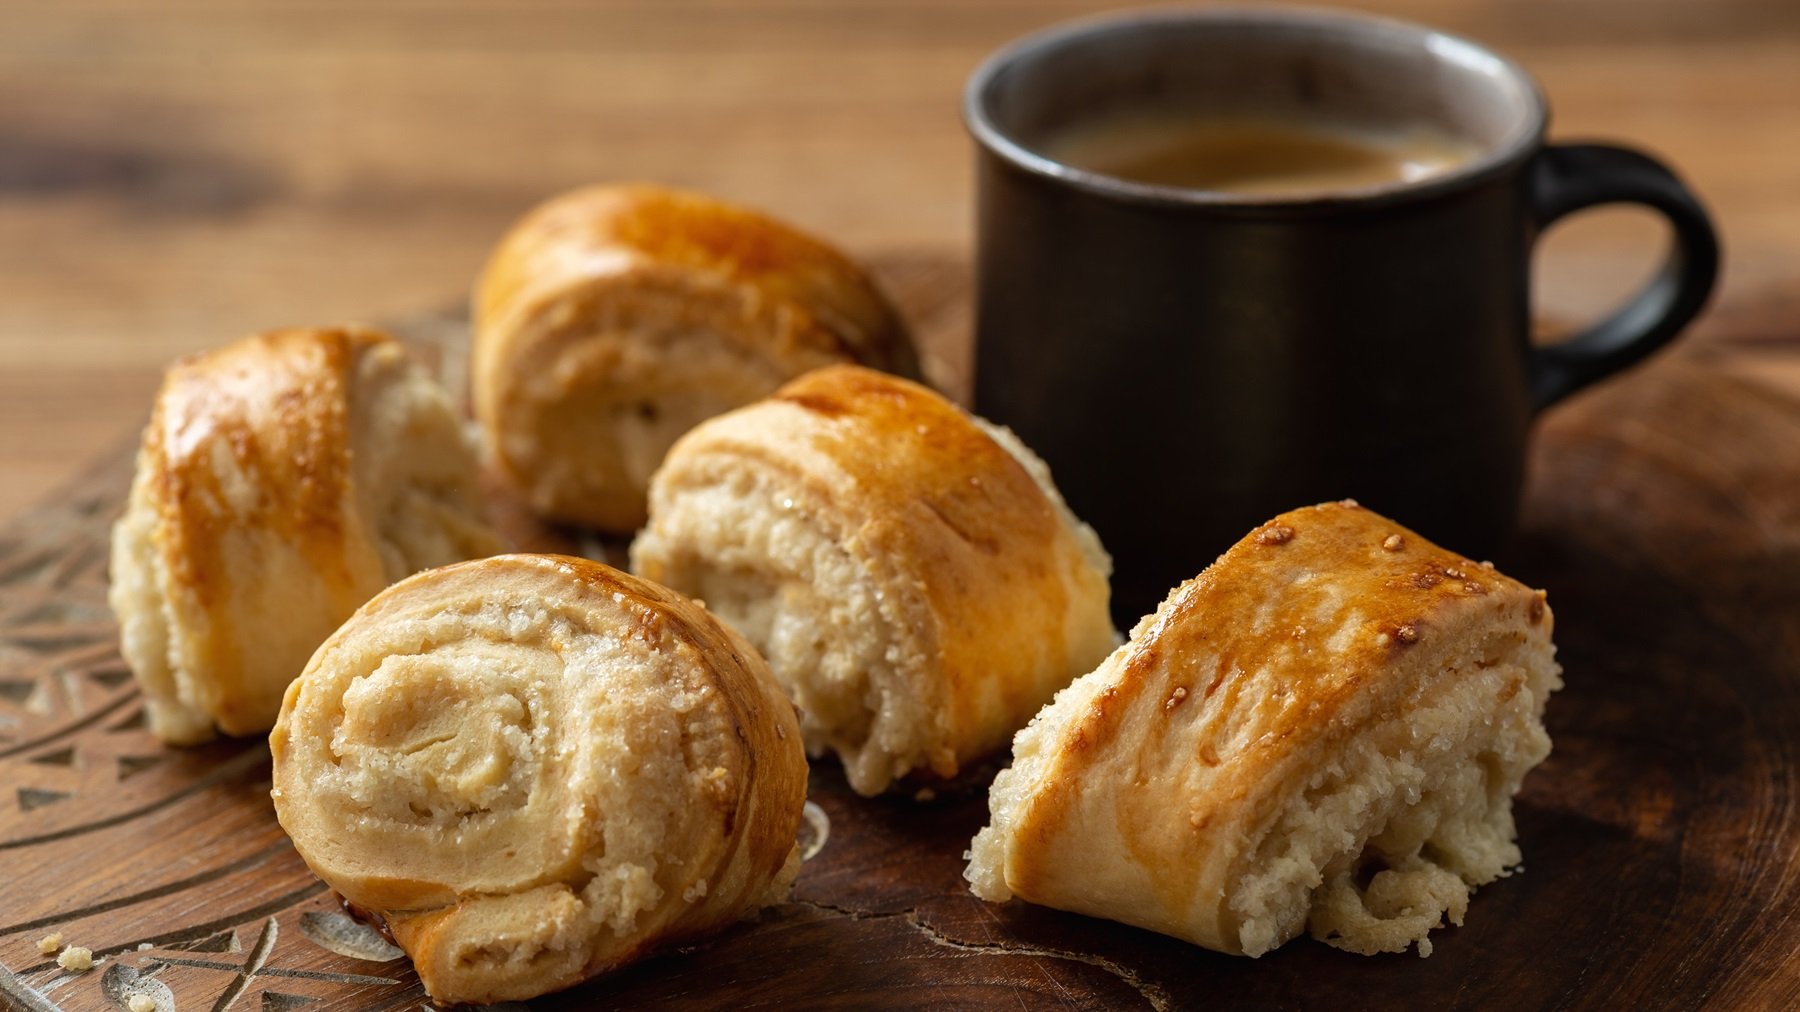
x,y
1569,177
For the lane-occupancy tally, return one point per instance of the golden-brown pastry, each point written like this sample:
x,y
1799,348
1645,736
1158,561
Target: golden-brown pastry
x,y
613,319
910,572
1323,730
282,482
537,768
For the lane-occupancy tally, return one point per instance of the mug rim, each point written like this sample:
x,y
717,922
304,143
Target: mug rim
x,y
1519,144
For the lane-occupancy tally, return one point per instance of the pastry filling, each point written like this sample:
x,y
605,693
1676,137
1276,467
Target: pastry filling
x,y
547,788
756,551
433,740
1388,841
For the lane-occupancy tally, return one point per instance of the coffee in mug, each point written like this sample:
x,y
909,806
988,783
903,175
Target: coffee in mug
x,y
1263,155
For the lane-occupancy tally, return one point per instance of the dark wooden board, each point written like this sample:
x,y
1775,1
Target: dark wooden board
x,y
1662,837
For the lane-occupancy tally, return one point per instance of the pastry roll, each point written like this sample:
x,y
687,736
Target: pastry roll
x,y
1322,731
910,572
614,318
282,482
536,768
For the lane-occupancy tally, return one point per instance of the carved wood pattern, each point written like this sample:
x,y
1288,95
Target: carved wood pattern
x,y
1662,838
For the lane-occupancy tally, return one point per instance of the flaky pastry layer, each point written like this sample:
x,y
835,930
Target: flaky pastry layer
x,y
614,318
911,573
536,769
1322,731
283,480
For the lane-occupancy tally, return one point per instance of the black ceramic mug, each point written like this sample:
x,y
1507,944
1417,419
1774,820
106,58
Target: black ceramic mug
x,y
1191,363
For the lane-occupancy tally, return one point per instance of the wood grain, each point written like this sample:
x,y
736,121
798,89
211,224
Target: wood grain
x,y
173,175
176,174
1662,837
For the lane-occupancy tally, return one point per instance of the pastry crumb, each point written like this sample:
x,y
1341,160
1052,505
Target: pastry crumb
x,y
76,958
50,943
142,1003
1394,543
924,794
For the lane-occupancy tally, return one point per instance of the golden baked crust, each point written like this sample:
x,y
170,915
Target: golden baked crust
x,y
1325,728
910,572
538,768
282,481
614,318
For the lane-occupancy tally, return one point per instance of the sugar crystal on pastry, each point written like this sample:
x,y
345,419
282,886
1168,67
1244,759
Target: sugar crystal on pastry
x,y
1322,732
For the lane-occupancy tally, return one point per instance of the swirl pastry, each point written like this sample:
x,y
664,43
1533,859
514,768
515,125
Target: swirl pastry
x,y
537,768
1323,730
614,318
910,571
283,481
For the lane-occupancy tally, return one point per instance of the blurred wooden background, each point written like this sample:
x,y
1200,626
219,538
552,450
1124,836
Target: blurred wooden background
x,y
175,174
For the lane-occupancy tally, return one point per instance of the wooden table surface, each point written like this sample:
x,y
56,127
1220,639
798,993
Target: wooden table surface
x,y
174,174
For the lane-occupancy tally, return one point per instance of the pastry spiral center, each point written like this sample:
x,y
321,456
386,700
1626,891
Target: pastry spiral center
x,y
444,739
